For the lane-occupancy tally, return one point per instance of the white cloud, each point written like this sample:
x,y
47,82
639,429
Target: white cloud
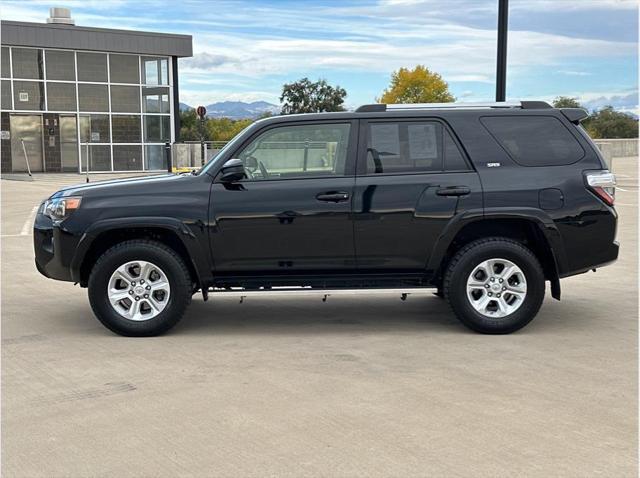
x,y
624,100
461,53
573,73
205,61
195,98
620,101
241,49
574,5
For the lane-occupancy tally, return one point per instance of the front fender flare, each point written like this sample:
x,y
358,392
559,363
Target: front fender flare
x,y
198,256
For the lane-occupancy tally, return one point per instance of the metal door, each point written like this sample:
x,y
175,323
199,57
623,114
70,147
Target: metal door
x,y
287,222
27,128
69,143
400,214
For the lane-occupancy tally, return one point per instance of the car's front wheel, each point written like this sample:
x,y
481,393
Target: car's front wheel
x,y
495,285
139,288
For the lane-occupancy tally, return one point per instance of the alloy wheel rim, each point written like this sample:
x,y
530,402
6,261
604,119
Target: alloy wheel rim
x,y
496,288
138,290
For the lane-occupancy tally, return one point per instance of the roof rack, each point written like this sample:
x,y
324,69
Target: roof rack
x,y
378,107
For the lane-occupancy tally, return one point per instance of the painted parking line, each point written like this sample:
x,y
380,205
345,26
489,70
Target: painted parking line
x,y
28,224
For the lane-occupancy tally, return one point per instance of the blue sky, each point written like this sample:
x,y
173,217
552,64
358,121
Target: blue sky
x,y
246,50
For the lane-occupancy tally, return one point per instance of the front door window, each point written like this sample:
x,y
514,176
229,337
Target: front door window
x,y
305,151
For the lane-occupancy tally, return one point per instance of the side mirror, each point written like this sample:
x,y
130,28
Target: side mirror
x,y
232,171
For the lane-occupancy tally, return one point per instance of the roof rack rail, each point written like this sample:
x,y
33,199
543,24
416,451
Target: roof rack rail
x,y
379,107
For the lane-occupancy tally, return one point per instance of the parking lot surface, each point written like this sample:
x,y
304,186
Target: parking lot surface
x,y
360,385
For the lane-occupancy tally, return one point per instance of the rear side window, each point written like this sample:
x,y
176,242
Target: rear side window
x,y
534,140
411,147
453,159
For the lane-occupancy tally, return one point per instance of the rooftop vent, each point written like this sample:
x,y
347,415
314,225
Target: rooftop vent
x,y
60,16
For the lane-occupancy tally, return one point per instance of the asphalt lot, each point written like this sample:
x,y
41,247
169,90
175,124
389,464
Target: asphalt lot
x,y
362,385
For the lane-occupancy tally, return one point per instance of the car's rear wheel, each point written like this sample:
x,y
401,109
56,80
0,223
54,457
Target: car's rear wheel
x,y
139,288
495,285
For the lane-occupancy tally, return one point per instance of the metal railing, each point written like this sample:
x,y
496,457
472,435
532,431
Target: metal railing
x,y
26,157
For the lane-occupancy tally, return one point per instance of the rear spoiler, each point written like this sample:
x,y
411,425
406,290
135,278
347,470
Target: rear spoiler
x,y
575,115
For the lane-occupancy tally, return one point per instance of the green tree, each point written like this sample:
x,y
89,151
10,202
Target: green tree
x,y
566,102
419,85
609,123
604,123
265,114
215,129
189,126
305,96
224,129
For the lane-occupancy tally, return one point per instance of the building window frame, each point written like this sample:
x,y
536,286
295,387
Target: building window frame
x,y
76,82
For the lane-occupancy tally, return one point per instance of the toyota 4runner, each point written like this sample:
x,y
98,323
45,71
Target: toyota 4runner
x,y
483,202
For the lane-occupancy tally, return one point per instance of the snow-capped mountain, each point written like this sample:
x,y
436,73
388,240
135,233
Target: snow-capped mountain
x,y
237,109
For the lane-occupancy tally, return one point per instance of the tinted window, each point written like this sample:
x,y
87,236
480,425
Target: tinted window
x,y
5,91
61,65
535,140
125,99
92,66
155,71
124,69
28,95
127,157
298,151
125,128
27,63
404,147
99,157
4,66
453,158
61,96
155,100
93,97
156,128
155,157
94,129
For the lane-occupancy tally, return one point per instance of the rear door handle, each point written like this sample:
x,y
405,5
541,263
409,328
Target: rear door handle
x,y
453,191
333,196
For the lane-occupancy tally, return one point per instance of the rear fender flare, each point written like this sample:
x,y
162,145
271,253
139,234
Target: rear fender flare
x,y
536,216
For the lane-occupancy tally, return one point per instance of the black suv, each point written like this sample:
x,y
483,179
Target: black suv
x,y
482,202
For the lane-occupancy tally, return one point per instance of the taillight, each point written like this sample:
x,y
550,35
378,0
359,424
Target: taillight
x,y
602,184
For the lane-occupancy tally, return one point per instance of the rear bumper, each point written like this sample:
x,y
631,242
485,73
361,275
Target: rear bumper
x,y
54,249
606,256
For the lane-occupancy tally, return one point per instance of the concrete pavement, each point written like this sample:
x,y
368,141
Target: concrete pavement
x,y
362,385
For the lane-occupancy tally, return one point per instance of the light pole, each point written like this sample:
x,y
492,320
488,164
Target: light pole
x,y
501,64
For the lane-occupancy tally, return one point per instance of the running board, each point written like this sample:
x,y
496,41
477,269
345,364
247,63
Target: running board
x,y
314,292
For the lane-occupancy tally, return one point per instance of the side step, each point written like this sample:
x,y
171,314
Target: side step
x,y
314,292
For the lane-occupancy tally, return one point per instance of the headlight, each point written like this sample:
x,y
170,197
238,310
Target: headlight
x,y
60,208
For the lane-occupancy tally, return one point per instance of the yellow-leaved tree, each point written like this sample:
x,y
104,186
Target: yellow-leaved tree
x,y
419,85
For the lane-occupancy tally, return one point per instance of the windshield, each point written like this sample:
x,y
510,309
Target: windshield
x,y
229,146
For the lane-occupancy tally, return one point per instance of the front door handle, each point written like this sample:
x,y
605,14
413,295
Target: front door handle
x,y
453,191
333,196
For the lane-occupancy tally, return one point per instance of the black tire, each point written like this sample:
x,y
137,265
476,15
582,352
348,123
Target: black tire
x,y
166,259
462,265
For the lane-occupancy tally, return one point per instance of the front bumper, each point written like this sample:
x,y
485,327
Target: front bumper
x,y
54,249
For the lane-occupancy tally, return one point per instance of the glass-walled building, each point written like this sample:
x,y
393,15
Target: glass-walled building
x,y
74,98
